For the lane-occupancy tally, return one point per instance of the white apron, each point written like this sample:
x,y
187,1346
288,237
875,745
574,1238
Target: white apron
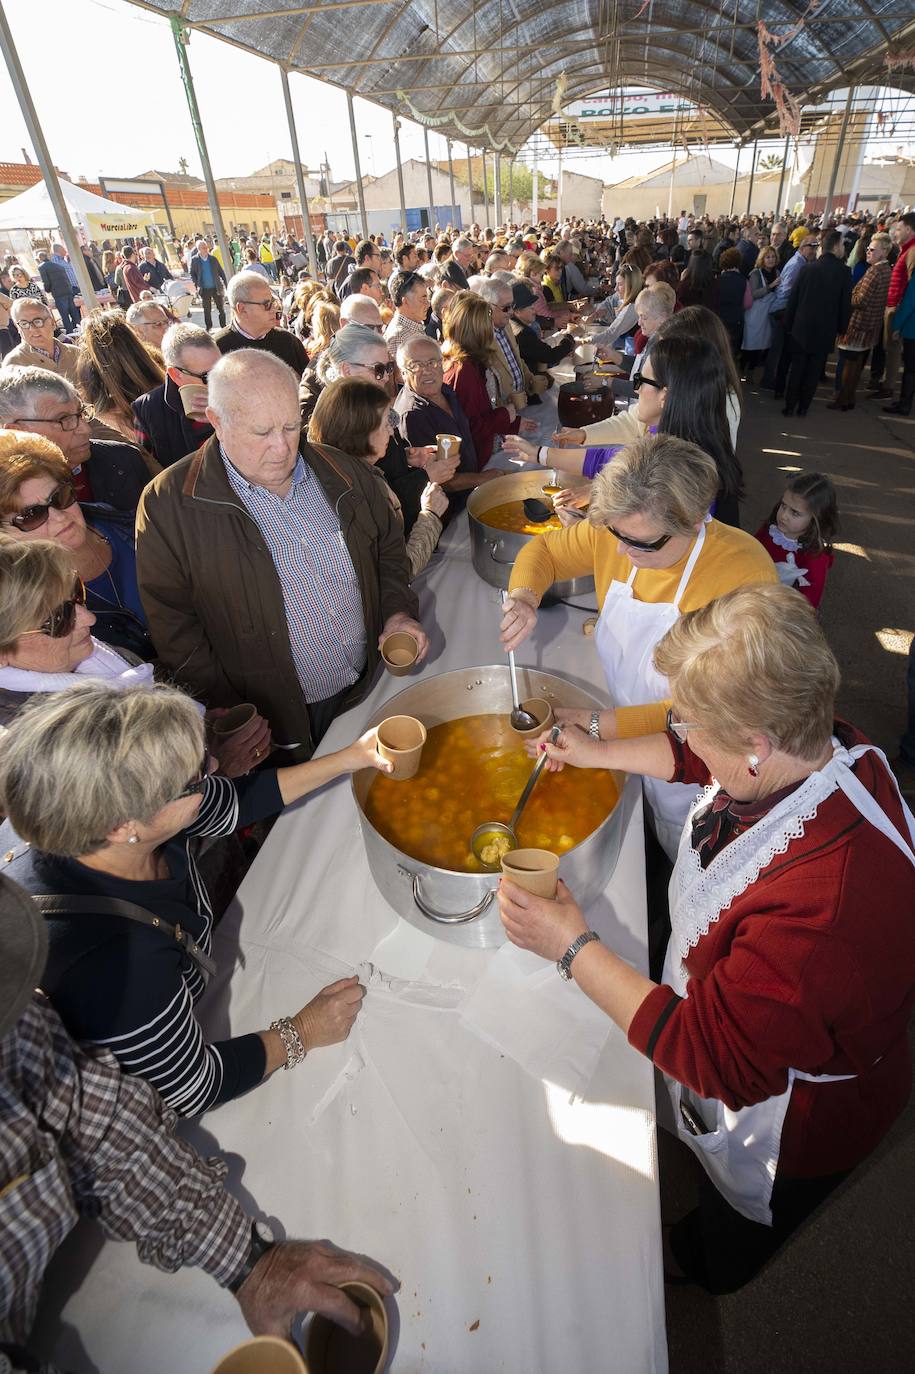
x,y
627,633
740,1150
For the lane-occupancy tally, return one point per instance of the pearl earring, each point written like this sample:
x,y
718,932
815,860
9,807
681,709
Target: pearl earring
x,y
753,765
132,839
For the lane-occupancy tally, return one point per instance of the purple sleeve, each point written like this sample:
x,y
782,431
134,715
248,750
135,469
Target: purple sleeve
x,y
598,458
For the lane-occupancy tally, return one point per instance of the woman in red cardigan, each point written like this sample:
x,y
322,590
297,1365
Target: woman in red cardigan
x,y
468,350
780,1024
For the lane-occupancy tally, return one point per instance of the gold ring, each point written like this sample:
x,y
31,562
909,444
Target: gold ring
x,y
257,753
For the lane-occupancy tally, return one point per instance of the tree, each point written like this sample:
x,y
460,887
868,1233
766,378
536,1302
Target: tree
x,y
772,162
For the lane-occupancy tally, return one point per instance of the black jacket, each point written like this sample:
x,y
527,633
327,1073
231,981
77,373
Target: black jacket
x,y
54,279
819,306
197,269
455,274
116,473
280,342
537,354
163,426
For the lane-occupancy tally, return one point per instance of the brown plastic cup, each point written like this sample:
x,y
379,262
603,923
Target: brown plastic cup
x,y
262,1355
448,445
536,870
542,712
398,653
235,719
331,1350
400,741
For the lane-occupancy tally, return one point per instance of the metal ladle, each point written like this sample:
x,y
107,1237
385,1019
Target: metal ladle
x,y
520,719
490,830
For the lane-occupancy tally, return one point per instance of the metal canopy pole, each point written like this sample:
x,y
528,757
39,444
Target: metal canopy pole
x,y
485,191
511,190
355,142
299,175
535,206
181,37
497,188
451,182
429,182
736,172
44,162
752,173
781,180
838,158
559,189
403,199
470,183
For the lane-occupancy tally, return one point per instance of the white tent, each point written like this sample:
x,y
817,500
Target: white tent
x,y
98,217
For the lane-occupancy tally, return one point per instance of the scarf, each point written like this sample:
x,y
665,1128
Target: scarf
x,y
103,663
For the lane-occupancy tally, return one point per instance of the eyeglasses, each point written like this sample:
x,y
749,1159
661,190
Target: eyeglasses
x,y
431,365
35,323
34,516
67,422
640,380
679,728
201,376
272,304
197,784
378,370
640,545
62,619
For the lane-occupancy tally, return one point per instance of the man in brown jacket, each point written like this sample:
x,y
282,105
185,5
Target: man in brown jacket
x,y
270,571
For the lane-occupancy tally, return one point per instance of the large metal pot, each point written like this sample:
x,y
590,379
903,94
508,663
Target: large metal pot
x,y
493,551
461,907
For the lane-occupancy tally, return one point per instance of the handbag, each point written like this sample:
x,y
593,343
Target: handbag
x,y
52,906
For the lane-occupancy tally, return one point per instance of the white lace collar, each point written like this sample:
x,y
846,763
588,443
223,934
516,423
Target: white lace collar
x,y
783,541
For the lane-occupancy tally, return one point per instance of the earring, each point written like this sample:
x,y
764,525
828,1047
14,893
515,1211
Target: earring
x,y
132,839
753,765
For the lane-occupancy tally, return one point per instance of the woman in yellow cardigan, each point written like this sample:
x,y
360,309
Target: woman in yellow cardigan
x,y
653,552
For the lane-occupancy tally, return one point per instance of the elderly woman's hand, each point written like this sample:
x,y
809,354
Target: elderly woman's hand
x,y
546,927
237,754
433,500
401,623
569,506
516,447
328,1018
305,1276
574,747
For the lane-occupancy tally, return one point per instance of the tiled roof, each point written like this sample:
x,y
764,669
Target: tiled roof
x,y
22,174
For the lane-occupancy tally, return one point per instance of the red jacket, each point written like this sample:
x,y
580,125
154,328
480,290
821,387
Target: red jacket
x,y
134,280
469,382
900,278
814,566
812,967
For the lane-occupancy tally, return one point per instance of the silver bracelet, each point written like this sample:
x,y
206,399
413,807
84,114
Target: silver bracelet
x,y
594,725
292,1042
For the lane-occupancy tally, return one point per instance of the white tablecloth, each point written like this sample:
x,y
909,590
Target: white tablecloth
x,y
520,1217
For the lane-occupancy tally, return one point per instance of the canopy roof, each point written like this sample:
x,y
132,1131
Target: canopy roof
x,y
34,210
486,71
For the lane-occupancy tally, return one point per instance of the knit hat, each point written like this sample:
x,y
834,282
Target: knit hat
x,y
24,940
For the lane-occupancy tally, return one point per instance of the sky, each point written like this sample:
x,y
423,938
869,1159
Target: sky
x,y
105,82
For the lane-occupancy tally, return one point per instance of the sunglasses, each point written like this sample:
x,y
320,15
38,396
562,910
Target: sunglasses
x,y
378,370
640,380
197,785
62,619
678,728
640,545
34,516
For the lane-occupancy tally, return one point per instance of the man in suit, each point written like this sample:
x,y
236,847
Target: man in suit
x,y
463,260
819,308
59,281
210,280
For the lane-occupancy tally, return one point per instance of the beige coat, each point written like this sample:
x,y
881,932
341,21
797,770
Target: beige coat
x,y
532,385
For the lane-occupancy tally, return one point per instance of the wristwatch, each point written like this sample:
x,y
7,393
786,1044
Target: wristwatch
x,y
564,965
594,726
262,1240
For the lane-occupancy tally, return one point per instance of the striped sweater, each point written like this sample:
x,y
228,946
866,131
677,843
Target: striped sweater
x,y
130,988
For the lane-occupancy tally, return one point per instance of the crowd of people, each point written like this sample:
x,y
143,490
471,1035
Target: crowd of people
x,y
197,516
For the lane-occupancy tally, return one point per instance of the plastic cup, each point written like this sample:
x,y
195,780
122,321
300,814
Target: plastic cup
x,y
331,1350
234,720
448,445
398,653
536,870
262,1355
191,396
585,354
400,741
542,712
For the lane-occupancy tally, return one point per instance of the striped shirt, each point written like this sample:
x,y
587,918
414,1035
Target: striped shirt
x,y
78,1138
510,359
321,595
129,988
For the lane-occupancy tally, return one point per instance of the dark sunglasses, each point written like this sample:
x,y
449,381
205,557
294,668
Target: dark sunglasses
x,y
62,619
380,370
640,380
640,545
34,516
197,784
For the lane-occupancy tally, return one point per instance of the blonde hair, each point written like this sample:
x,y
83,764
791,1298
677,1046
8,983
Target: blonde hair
x,y
83,761
754,662
658,475
529,266
631,278
22,456
468,331
36,576
325,321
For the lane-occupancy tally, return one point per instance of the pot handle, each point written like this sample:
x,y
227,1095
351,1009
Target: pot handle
x,y
448,918
500,562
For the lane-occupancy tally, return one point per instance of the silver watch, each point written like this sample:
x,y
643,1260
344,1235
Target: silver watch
x,y
594,726
564,965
